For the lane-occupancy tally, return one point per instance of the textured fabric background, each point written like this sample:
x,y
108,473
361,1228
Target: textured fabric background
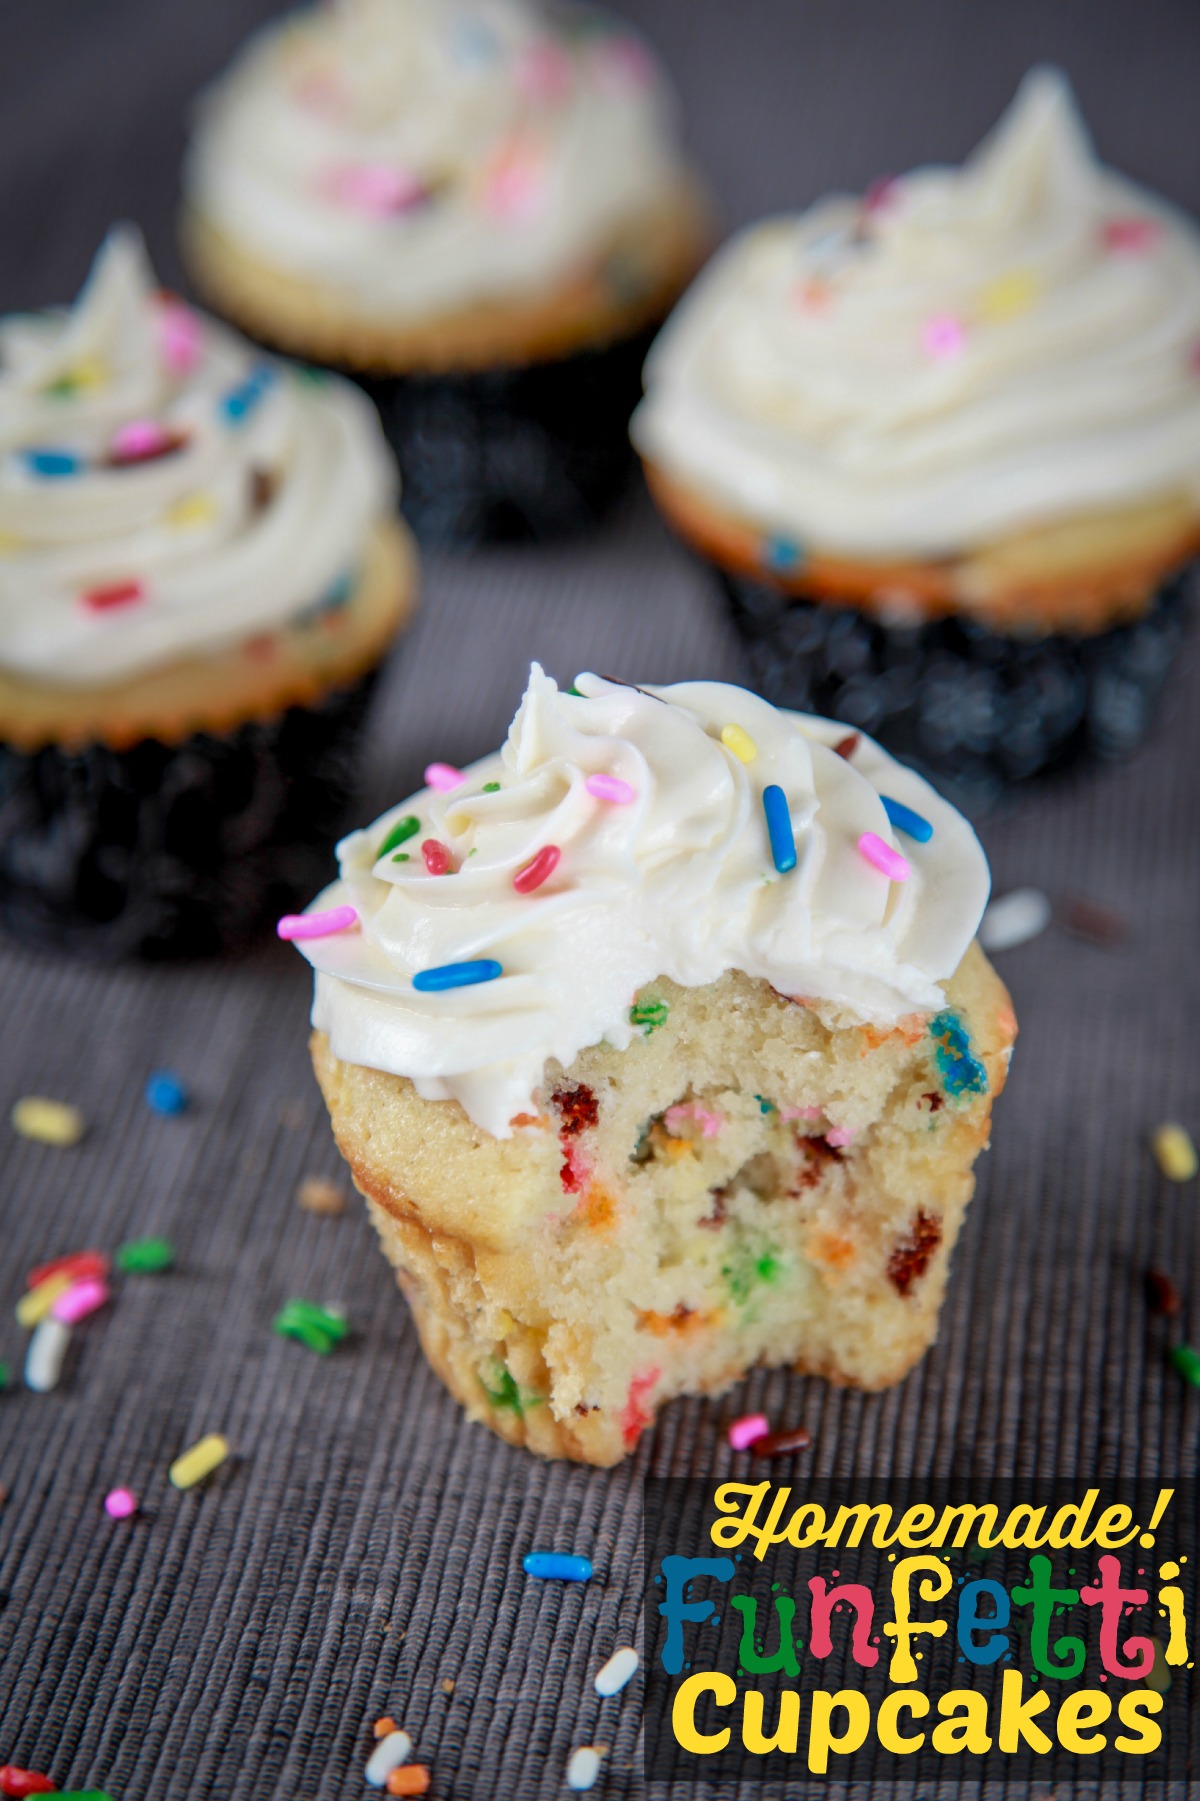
x,y
363,1551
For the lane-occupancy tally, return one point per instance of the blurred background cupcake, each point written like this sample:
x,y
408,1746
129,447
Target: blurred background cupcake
x,y
480,208
200,572
942,443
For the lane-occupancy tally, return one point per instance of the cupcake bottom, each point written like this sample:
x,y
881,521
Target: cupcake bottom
x,y
972,707
755,1180
526,453
177,812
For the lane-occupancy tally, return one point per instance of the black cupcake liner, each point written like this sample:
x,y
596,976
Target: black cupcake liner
x,y
518,454
166,851
972,708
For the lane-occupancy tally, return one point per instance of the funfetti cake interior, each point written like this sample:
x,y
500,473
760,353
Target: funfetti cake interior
x,y
660,1047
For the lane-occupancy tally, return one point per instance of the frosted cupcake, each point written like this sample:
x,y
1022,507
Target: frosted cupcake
x,y
660,1047
943,444
481,209
200,572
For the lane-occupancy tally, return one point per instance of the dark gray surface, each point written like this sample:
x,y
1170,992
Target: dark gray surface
x,y
366,1546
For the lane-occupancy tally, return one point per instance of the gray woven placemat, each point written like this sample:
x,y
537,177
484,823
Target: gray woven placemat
x,y
362,1553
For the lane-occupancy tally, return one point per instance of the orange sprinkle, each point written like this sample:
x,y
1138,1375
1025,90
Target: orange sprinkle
x,y
598,1208
382,1727
409,1779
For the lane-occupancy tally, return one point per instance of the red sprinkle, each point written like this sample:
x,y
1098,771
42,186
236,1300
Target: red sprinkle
x,y
80,1265
774,1444
15,1781
846,747
1162,1296
577,1107
117,594
437,857
539,869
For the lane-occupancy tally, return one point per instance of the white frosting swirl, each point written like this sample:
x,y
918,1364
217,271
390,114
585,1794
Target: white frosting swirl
x,y
183,535
418,156
967,353
679,882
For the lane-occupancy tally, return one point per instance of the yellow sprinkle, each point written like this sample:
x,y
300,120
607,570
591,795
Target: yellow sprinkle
x,y
91,373
504,1322
739,742
1175,1152
201,1460
196,509
36,1303
48,1122
316,1195
1008,297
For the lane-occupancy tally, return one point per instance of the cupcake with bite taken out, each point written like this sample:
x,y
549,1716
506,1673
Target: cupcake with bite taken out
x,y
200,574
483,210
660,1047
942,444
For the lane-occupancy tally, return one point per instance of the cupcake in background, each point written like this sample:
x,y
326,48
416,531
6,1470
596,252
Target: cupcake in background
x,y
480,209
942,443
200,573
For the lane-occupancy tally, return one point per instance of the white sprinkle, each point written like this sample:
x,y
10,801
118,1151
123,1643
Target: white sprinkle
x,y
387,1756
583,1768
1014,919
44,1358
617,1671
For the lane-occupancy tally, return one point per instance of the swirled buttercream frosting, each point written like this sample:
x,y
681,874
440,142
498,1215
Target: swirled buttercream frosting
x,y
165,489
667,865
960,354
418,156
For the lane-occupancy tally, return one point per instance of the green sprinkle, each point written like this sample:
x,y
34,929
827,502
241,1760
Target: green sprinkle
x,y
401,856
765,1106
575,691
507,1395
5,1375
491,787
649,1015
750,1270
310,1325
401,832
1187,1362
305,372
144,1256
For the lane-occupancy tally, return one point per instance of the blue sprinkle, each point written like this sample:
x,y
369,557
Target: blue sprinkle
x,y
52,462
338,593
554,1567
456,975
241,401
782,553
165,1093
905,820
779,826
962,1072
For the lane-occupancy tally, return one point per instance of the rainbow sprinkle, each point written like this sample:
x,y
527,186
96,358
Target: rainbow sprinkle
x,y
457,975
437,857
240,402
943,337
52,462
782,553
739,742
961,1070
648,1015
913,825
444,777
779,828
400,833
611,788
317,925
539,869
884,857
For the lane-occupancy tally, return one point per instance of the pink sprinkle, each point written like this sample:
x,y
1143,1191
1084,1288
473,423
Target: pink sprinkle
x,y
611,787
180,337
539,869
801,1112
444,777
710,1123
882,855
140,438
379,189
438,860
545,72
1132,235
743,1432
943,337
881,194
838,1136
80,1299
317,925
120,1504
515,187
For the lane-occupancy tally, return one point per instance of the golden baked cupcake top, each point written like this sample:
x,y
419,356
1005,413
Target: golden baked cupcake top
x,y
508,914
960,358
